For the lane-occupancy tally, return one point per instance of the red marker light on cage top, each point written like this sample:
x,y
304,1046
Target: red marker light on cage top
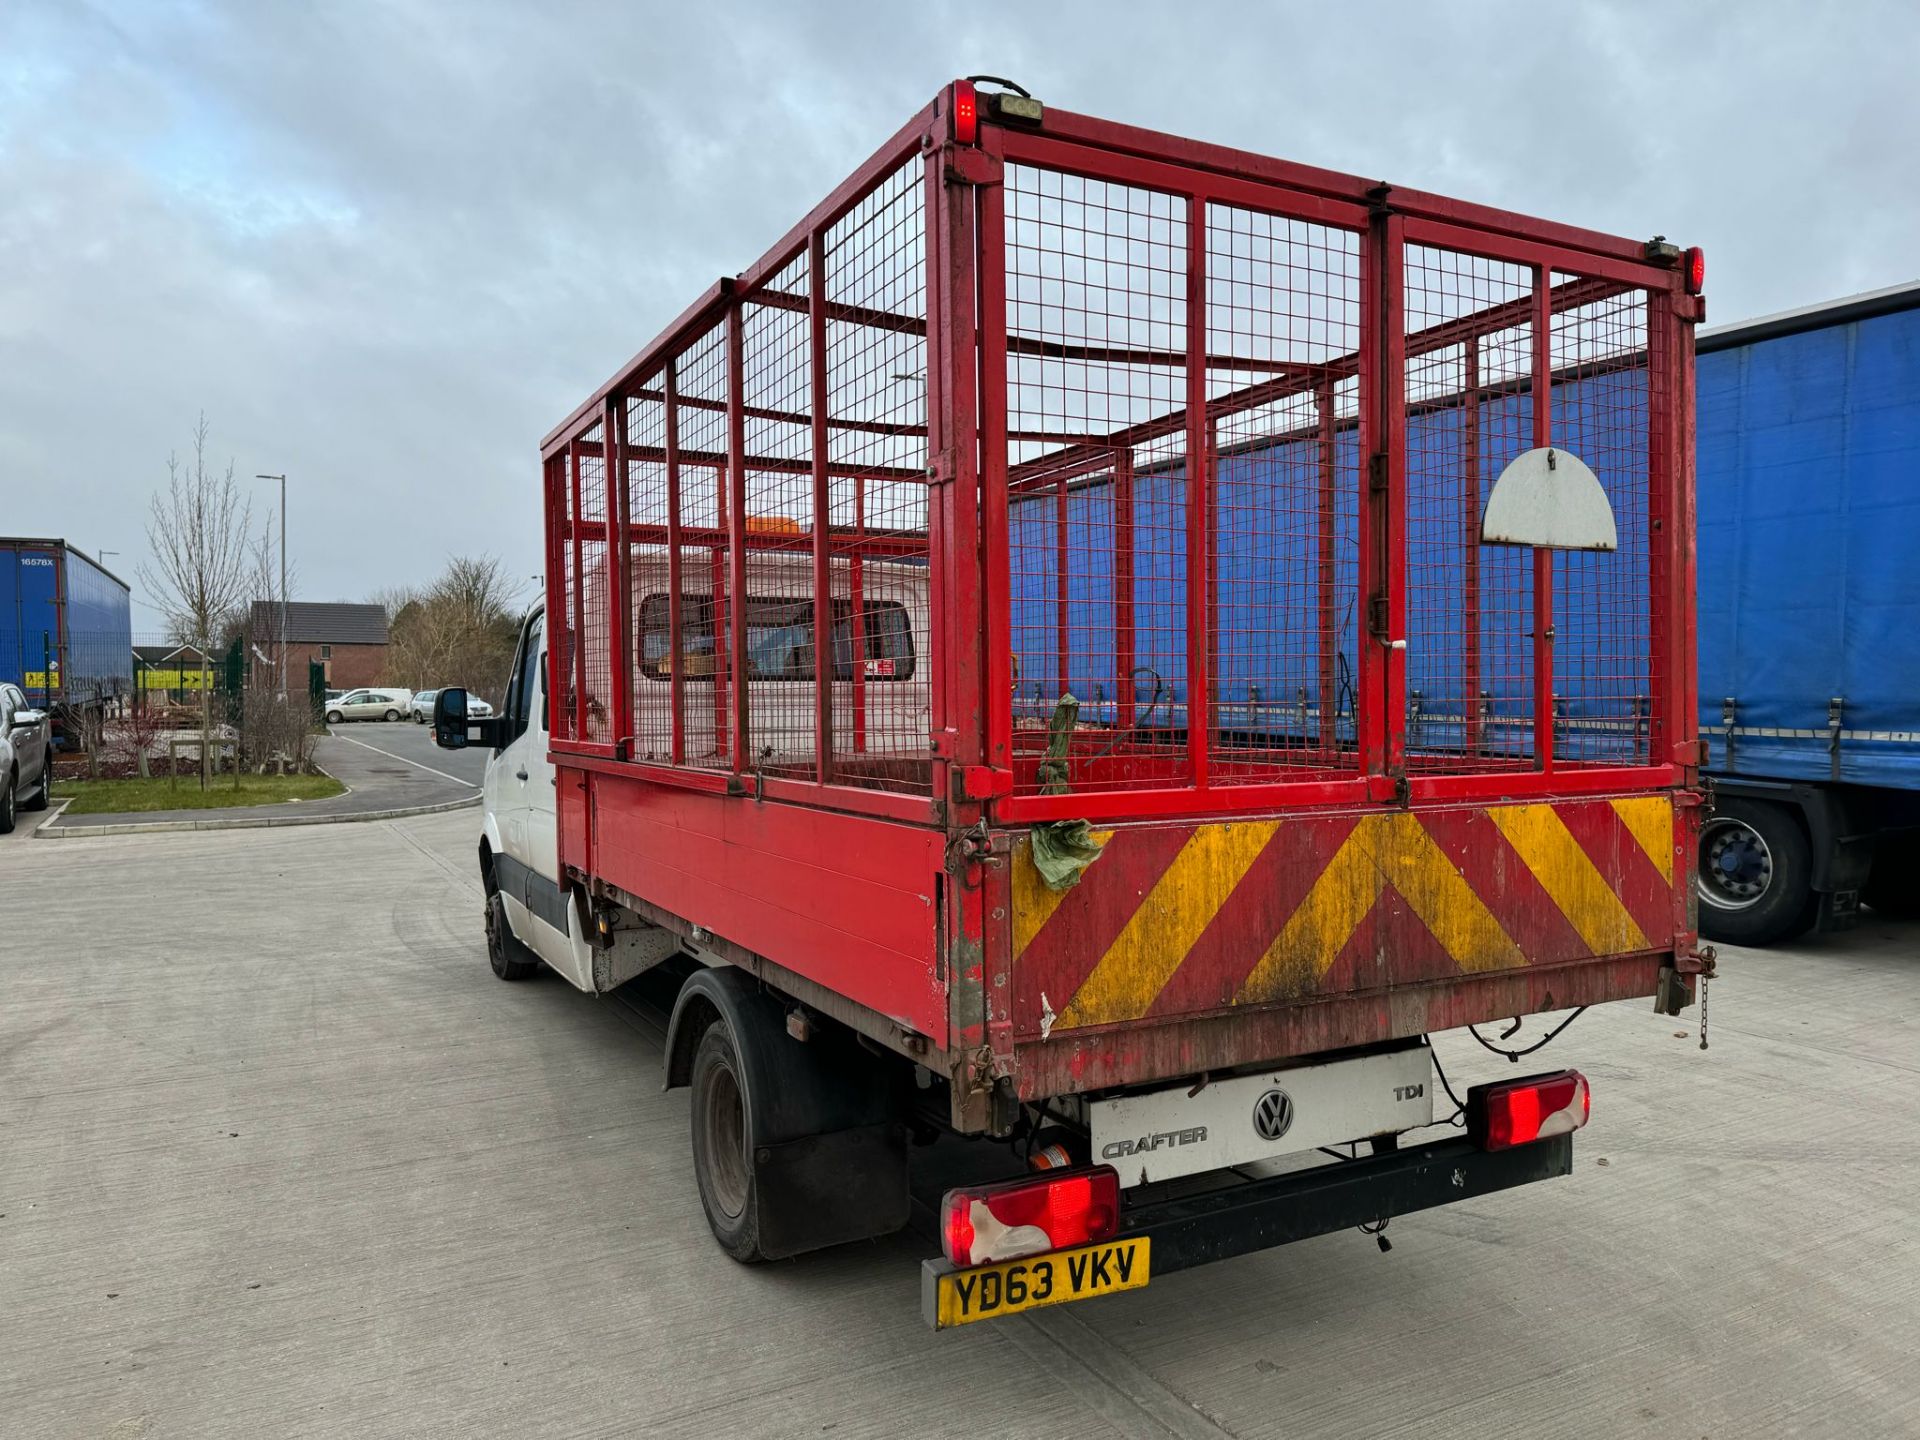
x,y
1518,1112
966,112
980,1223
1695,263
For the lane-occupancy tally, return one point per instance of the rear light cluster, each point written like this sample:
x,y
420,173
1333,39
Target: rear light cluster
x,y
1029,1217
1518,1112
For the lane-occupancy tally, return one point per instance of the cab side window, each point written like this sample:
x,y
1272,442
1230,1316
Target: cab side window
x,y
526,682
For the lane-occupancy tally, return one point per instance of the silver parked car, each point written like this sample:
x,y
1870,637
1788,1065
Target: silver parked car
x,y
26,756
369,705
421,708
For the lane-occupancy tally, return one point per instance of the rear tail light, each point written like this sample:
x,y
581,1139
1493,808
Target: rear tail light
x,y
1029,1217
966,113
1517,1112
1694,264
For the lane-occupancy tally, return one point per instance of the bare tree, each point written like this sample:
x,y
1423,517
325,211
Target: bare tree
x,y
460,630
393,599
200,531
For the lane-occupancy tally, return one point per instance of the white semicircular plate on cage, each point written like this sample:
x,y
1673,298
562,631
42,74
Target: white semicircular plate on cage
x,y
1549,499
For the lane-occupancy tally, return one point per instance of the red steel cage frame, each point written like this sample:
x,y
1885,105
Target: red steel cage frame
x,y
970,482
972,753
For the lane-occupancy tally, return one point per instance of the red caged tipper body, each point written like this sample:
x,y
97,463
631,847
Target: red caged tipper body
x,y
1324,546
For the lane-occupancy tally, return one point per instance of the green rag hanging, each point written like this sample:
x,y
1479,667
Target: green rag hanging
x,y
1061,849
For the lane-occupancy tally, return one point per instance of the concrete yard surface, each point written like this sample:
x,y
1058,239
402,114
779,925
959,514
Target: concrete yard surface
x,y
279,1156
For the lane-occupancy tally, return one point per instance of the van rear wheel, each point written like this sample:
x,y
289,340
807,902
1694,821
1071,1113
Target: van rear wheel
x,y
722,1165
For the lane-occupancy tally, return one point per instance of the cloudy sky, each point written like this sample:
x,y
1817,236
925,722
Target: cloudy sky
x,y
385,246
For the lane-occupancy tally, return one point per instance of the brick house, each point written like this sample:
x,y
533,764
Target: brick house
x,y
349,641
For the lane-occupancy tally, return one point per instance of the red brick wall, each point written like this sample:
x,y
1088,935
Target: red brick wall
x,y
350,667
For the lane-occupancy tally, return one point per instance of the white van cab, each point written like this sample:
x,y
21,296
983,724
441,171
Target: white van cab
x,y
531,917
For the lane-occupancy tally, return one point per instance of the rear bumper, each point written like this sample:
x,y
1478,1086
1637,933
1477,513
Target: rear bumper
x,y
1220,1223
1236,1220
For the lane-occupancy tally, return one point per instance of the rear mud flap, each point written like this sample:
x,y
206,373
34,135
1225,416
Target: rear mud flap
x,y
806,1200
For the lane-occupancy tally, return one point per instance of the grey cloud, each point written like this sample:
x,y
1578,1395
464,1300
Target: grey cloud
x,y
385,246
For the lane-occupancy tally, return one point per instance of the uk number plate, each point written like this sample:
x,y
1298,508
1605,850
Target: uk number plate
x,y
986,1292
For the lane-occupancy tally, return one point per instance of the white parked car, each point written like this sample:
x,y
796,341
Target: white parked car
x,y
367,704
421,708
26,756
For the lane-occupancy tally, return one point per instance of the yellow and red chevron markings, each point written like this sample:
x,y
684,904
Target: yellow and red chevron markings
x,y
1176,920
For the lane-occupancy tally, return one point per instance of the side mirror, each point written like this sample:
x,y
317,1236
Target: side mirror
x,y
27,719
450,719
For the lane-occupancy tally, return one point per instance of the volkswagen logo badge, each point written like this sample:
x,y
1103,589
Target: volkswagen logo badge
x,y
1273,1114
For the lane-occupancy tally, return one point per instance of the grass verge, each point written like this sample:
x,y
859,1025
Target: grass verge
x,y
131,797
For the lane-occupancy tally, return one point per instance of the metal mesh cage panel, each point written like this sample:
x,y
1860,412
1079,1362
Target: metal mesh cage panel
x,y
1283,321
1602,680
881,626
1470,620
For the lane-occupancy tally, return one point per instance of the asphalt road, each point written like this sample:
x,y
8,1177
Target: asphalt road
x,y
386,768
279,1156
414,743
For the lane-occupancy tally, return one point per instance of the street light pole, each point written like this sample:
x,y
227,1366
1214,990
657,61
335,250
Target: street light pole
x,y
283,579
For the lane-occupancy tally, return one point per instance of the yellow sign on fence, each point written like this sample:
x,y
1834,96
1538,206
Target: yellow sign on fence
x,y
157,679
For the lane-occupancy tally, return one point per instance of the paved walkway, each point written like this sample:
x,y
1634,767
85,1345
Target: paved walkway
x,y
380,785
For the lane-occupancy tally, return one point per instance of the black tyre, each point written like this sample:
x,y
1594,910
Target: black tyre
x,y
1755,877
509,956
6,803
1893,887
391,716
722,1161
42,795
334,717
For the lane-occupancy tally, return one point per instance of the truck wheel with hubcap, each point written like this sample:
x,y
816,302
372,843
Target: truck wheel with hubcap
x,y
510,958
722,1164
1755,876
